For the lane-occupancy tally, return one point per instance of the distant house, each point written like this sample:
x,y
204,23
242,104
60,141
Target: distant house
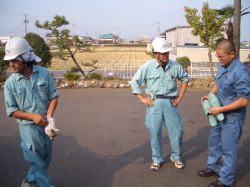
x,y
87,39
144,39
246,43
108,39
182,36
4,39
48,41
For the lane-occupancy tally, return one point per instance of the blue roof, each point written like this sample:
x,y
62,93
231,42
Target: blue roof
x,y
107,36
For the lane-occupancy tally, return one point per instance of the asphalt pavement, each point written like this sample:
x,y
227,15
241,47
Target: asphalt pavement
x,y
103,142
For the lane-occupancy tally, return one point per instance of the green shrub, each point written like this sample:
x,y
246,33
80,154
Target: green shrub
x,y
74,69
96,76
112,78
184,62
71,76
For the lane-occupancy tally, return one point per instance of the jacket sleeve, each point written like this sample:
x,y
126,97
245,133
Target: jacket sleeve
x,y
10,102
137,81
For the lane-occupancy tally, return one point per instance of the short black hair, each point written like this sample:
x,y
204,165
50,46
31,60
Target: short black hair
x,y
226,45
31,63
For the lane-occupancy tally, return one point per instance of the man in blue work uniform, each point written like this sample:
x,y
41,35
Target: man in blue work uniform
x,y
233,90
160,76
31,98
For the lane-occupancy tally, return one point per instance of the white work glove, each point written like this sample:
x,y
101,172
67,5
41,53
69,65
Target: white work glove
x,y
51,129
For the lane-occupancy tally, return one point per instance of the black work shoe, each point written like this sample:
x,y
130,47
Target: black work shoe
x,y
207,173
217,184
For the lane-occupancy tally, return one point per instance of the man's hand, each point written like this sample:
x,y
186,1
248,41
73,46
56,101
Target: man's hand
x,y
147,101
215,110
39,120
176,101
203,98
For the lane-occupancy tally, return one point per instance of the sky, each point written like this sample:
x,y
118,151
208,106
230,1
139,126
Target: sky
x,y
129,19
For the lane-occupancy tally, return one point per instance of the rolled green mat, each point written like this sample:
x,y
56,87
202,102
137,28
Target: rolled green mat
x,y
214,101
211,118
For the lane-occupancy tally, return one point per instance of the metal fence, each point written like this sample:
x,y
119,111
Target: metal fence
x,y
117,68
201,70
127,68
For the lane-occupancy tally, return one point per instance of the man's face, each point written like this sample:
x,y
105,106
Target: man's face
x,y
224,58
16,65
163,58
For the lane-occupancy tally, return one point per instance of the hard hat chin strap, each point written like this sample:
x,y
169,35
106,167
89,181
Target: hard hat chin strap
x,y
157,57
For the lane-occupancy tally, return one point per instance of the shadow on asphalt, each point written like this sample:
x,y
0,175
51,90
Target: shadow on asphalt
x,y
98,149
75,165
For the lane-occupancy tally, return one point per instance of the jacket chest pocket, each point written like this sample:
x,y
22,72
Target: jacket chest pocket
x,y
227,88
153,83
42,87
170,82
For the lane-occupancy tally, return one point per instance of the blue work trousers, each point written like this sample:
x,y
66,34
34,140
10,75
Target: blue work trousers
x,y
223,143
37,151
163,111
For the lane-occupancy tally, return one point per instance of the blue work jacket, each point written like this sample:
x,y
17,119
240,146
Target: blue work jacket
x,y
32,96
159,81
233,83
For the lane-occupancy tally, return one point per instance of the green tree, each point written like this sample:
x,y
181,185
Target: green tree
x,y
63,40
4,64
228,12
40,49
208,27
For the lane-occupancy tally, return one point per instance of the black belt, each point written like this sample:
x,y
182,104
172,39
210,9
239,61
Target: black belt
x,y
162,97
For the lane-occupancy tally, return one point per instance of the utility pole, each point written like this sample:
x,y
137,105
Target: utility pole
x,y
25,21
158,29
236,26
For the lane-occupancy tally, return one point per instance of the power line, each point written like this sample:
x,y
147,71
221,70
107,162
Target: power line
x,y
184,14
15,29
11,13
118,28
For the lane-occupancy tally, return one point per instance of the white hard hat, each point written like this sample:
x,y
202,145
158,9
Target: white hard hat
x,y
160,45
15,47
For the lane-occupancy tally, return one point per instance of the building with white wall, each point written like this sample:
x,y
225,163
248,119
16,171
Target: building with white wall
x,y
182,36
4,39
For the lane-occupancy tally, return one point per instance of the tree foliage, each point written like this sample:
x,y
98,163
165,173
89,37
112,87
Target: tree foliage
x,y
208,27
4,64
91,64
63,40
228,12
40,49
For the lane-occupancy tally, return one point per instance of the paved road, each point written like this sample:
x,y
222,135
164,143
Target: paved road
x,y
103,142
